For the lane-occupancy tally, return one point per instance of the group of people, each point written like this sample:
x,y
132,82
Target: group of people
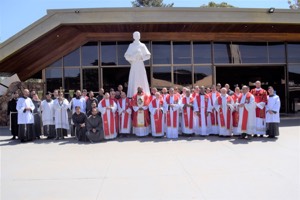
x,y
201,111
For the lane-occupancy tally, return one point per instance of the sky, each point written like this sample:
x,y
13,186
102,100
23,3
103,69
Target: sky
x,y
15,15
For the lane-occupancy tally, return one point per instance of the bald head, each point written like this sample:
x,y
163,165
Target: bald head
x,y
223,91
153,90
157,95
106,96
245,89
237,90
202,89
171,91
164,90
26,92
187,92
123,95
257,84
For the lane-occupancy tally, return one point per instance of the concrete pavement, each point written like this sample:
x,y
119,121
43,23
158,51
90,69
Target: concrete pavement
x,y
149,168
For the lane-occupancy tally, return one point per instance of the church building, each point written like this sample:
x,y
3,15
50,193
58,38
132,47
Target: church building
x,y
84,48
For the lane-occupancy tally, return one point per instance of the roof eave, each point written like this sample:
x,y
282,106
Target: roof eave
x,y
55,18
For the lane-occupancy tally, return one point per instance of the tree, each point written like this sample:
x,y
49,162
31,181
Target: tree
x,y
294,4
217,5
150,3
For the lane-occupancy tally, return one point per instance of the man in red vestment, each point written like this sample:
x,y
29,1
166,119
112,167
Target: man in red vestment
x,y
152,96
260,96
187,120
202,108
164,93
124,112
246,104
157,116
113,95
141,121
224,106
108,108
212,120
171,109
235,112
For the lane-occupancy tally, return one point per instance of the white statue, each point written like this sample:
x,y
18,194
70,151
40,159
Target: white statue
x,y
136,54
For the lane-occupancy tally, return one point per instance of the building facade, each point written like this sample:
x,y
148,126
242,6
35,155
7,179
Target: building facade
x,y
84,49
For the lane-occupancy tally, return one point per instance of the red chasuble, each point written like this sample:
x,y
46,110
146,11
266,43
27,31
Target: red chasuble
x,y
245,113
213,118
158,116
198,99
108,130
151,97
175,101
135,114
221,112
126,115
116,116
188,120
260,96
235,113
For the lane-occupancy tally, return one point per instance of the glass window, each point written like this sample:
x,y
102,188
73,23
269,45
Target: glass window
x,y
183,75
57,63
294,87
203,75
249,52
222,53
53,78
294,75
161,52
90,79
182,53
293,53
162,77
72,78
147,62
108,53
276,53
72,59
89,53
202,52
112,77
122,48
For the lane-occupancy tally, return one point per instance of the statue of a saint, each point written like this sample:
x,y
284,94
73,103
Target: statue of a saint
x,y
136,54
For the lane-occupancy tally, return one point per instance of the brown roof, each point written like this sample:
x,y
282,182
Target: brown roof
x,y
62,31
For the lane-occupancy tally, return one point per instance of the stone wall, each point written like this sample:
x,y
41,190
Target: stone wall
x,y
16,86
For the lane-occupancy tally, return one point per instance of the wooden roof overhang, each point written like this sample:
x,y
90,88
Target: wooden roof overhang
x,y
64,36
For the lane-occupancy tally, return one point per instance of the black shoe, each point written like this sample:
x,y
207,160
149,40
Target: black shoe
x,y
243,136
38,137
261,136
254,135
57,138
13,138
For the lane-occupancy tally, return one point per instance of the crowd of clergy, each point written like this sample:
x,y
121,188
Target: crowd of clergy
x,y
199,111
